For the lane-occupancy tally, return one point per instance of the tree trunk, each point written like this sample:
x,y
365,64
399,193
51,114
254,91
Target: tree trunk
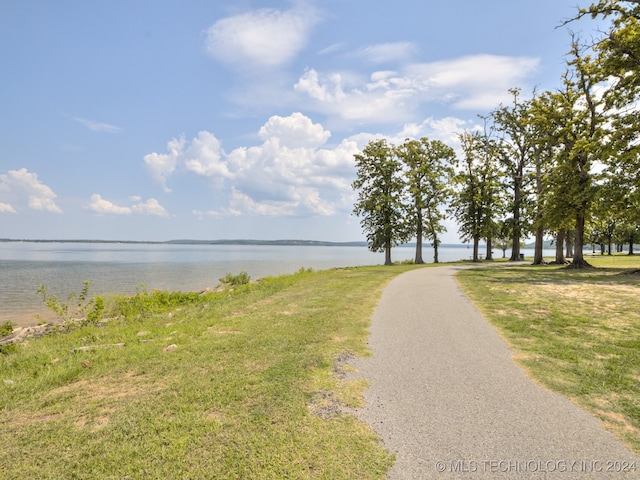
x,y
569,241
517,201
476,243
560,260
515,248
489,255
538,257
418,260
631,241
387,254
436,242
578,255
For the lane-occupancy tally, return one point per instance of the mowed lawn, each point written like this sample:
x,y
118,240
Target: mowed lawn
x,y
575,331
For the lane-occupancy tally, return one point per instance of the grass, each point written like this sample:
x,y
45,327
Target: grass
x,y
575,331
244,383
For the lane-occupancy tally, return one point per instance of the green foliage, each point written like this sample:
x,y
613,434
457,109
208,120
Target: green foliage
x,y
477,204
229,280
427,173
78,307
156,301
380,190
8,349
6,328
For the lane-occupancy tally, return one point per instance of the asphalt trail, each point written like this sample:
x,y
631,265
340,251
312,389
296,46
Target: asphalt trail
x,y
448,400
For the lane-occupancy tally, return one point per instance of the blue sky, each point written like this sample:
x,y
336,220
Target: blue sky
x,y
159,120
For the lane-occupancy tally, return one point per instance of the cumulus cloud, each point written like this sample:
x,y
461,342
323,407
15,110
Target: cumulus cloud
x,y
162,165
261,38
290,173
479,82
24,188
99,205
294,131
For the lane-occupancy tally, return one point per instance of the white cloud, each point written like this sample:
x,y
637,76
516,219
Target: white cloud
x,y
162,165
477,83
97,126
150,207
263,38
386,52
204,156
6,208
99,205
294,131
288,174
445,129
21,185
385,97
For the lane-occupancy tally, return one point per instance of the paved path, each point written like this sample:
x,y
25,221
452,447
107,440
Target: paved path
x,y
447,399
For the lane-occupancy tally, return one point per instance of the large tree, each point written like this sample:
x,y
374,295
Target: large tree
x,y
517,156
427,170
548,117
619,56
380,190
476,203
576,118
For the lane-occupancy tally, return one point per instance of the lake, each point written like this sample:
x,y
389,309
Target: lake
x,y
121,267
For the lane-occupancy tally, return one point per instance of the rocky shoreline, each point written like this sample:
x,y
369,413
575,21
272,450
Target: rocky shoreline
x,y
21,333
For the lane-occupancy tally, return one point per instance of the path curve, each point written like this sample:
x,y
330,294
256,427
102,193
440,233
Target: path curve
x,y
448,400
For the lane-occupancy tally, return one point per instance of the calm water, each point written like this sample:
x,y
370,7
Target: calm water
x,y
120,268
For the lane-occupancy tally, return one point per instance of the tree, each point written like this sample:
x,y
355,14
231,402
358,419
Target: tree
x,y
517,157
380,189
477,202
619,49
575,120
503,238
619,56
427,171
584,144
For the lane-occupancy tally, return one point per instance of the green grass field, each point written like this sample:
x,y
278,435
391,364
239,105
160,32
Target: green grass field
x,y
244,383
248,382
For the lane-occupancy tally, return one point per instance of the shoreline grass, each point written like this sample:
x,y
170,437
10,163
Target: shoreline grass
x,y
243,383
577,332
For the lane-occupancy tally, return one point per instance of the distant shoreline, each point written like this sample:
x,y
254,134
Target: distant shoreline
x,y
289,243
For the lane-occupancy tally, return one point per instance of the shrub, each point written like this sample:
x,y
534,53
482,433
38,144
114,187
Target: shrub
x,y
6,328
242,278
77,307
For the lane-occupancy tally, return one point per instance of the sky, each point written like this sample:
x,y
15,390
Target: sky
x,y
154,120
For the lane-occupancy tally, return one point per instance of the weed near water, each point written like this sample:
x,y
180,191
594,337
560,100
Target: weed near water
x,y
575,331
239,383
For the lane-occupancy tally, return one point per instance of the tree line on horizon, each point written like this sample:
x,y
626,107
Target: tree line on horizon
x,y
563,163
